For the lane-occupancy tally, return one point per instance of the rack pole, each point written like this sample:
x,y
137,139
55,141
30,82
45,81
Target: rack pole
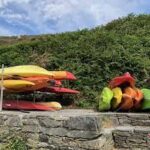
x,y
2,88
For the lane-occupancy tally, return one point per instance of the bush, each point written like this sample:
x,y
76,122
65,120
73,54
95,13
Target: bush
x,y
94,56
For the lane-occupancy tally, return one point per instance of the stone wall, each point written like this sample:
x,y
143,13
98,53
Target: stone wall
x,y
74,129
65,130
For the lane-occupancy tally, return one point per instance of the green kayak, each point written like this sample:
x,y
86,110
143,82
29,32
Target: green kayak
x,y
146,101
105,99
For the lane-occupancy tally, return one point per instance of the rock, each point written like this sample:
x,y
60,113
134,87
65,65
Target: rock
x,y
31,129
90,123
48,122
14,121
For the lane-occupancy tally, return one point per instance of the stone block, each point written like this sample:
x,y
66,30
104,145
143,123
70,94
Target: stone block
x,y
90,123
49,122
14,121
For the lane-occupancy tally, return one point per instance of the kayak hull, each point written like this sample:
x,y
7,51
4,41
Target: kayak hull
x,y
118,81
25,71
17,84
54,105
117,97
104,99
24,105
59,90
63,75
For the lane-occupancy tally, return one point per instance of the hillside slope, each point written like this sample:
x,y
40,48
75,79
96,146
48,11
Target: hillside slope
x,y
94,56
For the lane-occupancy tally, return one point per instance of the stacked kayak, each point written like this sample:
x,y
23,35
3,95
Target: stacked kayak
x,y
25,105
123,95
17,84
31,78
59,90
25,71
63,75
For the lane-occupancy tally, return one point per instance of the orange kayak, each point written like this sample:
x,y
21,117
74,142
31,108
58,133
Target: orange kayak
x,y
127,102
128,99
42,80
138,98
132,98
39,83
130,91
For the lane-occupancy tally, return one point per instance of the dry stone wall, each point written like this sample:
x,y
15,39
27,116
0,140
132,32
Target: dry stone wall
x,y
75,129
61,130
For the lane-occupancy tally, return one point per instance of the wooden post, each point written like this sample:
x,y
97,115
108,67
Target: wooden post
x,y
2,88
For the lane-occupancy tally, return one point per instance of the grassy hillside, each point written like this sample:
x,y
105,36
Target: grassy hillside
x,y
94,56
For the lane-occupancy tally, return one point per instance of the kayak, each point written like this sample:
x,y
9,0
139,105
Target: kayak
x,y
40,82
117,97
138,98
128,99
17,84
43,80
35,87
146,99
25,71
132,98
62,75
37,79
54,105
104,99
24,105
124,79
127,102
130,91
59,90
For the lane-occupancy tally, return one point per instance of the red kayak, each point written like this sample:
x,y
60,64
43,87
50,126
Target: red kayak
x,y
125,78
59,90
70,76
58,83
24,105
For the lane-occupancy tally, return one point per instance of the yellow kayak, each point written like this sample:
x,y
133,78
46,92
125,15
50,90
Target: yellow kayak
x,y
117,97
55,105
16,84
63,75
25,71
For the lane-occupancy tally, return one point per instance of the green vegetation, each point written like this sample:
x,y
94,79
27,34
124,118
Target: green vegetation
x,y
14,143
94,56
